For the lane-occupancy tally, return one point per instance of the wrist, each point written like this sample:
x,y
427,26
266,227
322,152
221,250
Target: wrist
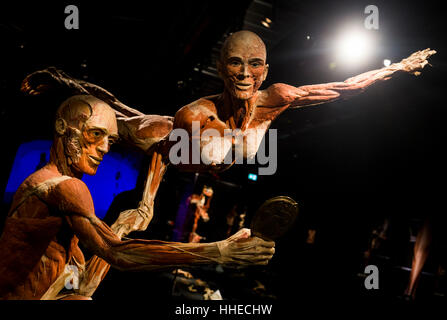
x,y
221,249
395,66
221,245
211,249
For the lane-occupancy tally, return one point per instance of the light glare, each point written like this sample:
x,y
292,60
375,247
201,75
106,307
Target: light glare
x,y
353,47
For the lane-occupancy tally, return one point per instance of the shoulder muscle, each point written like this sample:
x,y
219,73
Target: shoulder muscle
x,y
280,94
72,196
199,110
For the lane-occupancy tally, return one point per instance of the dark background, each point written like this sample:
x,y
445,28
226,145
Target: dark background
x,y
349,164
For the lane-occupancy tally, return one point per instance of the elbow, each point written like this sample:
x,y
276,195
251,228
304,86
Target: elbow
x,y
116,262
109,254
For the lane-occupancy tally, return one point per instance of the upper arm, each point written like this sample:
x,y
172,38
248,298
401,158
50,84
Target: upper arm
x,y
73,199
144,131
146,126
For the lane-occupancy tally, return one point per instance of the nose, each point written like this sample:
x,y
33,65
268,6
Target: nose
x,y
243,72
103,147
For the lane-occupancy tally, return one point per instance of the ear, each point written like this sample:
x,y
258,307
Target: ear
x,y
60,126
266,71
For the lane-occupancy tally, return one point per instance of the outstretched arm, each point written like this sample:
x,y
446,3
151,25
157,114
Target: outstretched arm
x,y
153,254
322,93
74,199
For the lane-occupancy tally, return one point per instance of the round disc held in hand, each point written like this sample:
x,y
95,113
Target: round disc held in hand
x,y
274,218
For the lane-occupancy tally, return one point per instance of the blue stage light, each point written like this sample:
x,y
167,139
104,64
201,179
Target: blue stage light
x,y
117,173
252,176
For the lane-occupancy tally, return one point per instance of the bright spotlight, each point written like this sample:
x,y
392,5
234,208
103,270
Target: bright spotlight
x,y
386,62
353,47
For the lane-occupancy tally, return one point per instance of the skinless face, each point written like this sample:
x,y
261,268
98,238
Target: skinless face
x,y
96,136
242,65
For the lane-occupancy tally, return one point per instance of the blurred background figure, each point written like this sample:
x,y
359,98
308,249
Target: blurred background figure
x,y
200,204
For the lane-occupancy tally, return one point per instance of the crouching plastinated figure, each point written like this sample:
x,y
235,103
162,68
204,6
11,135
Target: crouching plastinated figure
x,y
53,211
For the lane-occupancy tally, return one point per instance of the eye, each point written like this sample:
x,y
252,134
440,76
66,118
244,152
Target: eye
x,y
94,135
234,63
256,64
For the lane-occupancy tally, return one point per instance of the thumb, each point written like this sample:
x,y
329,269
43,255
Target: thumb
x,y
244,233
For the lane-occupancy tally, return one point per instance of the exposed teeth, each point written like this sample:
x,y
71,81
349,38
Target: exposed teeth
x,y
95,161
243,86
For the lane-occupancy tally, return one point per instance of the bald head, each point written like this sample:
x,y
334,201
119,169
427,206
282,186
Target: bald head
x,y
87,128
243,39
77,109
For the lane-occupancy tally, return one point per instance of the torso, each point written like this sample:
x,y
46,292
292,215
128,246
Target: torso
x,y
252,124
62,248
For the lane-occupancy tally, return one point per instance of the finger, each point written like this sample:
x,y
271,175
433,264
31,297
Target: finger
x,y
265,257
256,241
266,252
342,85
262,262
255,260
252,257
267,244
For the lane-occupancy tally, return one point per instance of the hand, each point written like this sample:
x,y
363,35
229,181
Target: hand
x,y
417,61
38,82
241,249
49,79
